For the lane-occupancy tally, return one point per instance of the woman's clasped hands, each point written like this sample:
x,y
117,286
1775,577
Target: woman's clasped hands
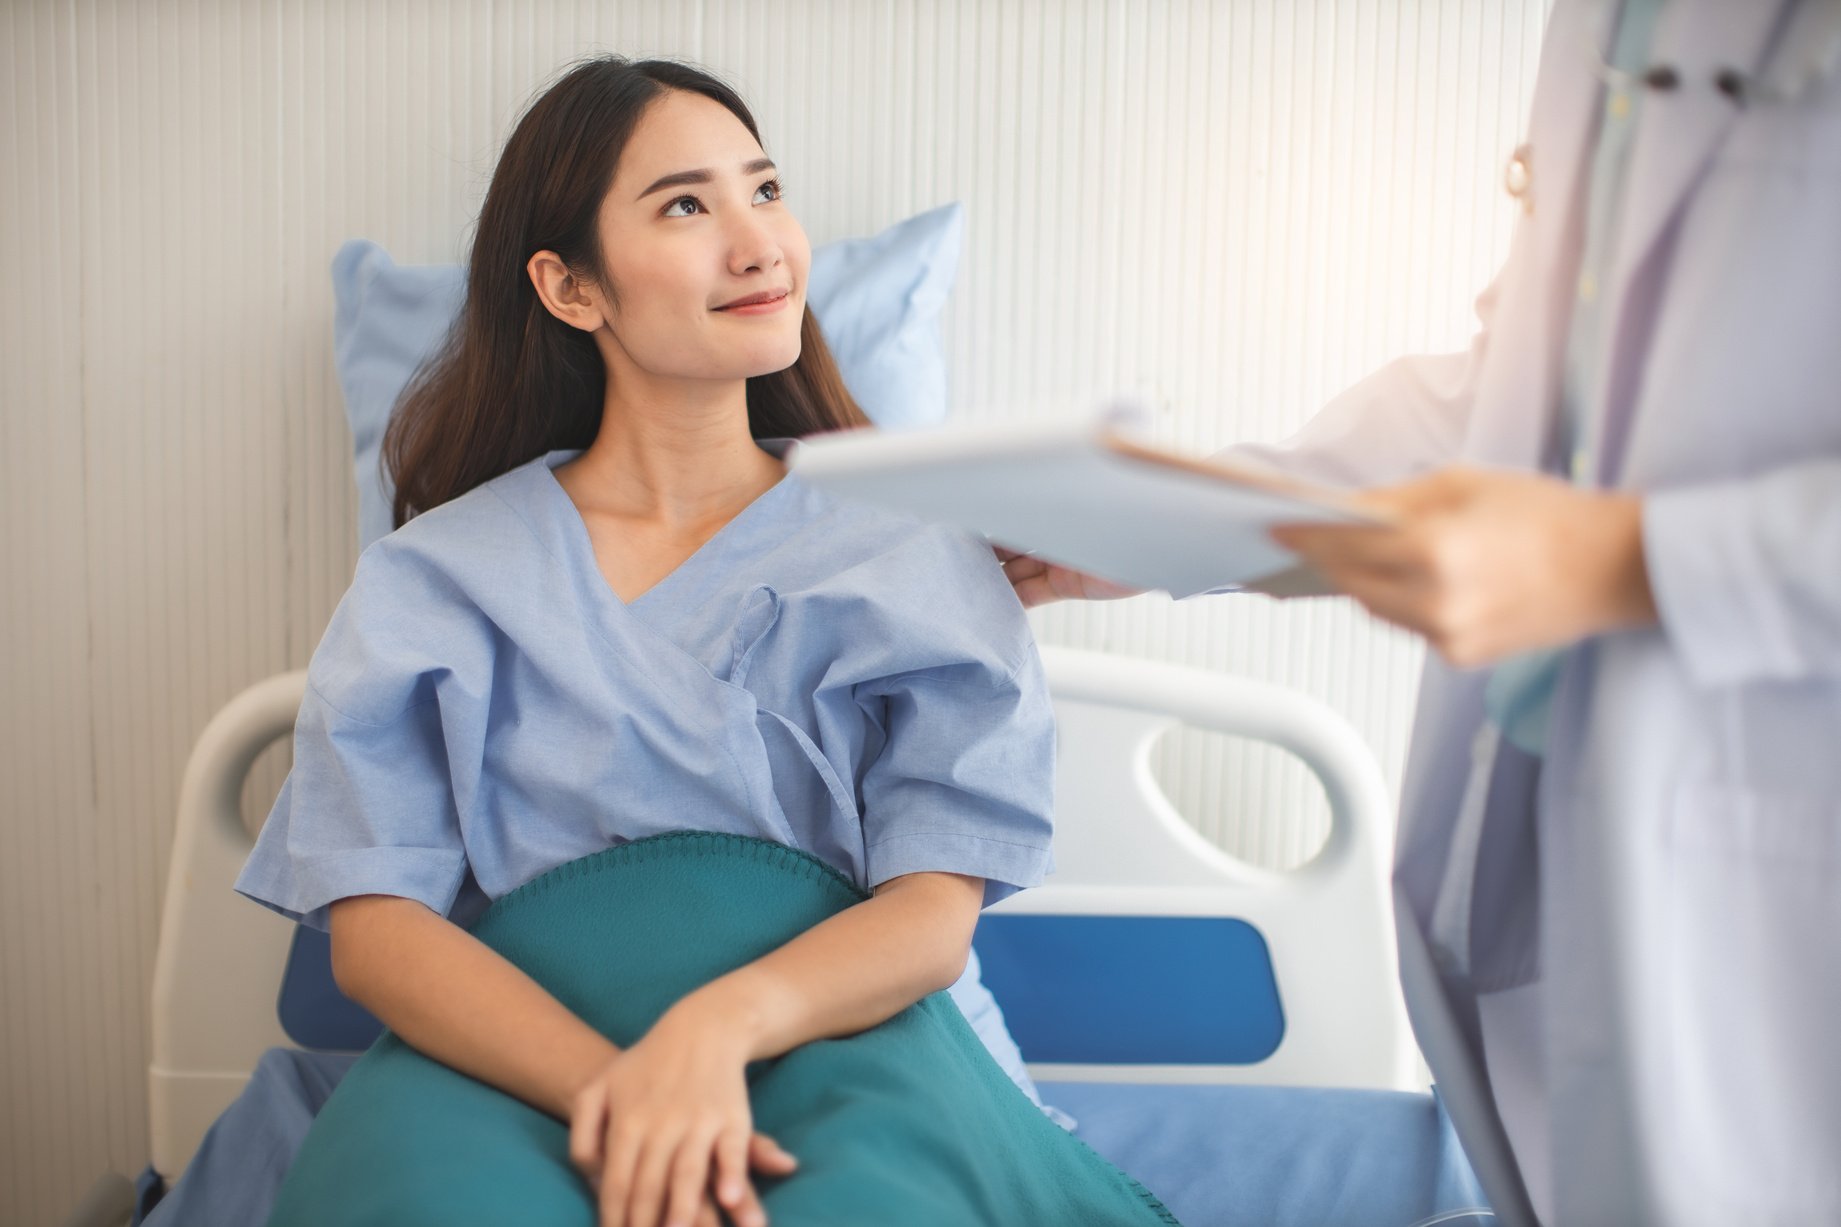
x,y
664,1133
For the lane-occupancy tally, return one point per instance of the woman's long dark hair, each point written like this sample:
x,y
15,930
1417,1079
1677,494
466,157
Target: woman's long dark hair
x,y
512,381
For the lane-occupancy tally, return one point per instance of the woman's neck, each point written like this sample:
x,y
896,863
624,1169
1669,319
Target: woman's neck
x,y
675,453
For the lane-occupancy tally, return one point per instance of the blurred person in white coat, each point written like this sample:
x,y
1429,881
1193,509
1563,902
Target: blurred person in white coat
x,y
1618,523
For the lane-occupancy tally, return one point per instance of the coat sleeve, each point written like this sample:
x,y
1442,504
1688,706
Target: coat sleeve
x,y
1747,574
1408,418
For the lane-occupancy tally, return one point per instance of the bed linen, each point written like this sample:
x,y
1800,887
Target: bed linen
x,y
910,1123
1217,1156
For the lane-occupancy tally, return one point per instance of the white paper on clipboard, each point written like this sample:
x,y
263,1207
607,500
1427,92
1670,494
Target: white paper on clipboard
x,y
1087,496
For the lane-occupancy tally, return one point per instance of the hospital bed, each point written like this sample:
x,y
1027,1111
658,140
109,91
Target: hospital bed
x,y
1160,990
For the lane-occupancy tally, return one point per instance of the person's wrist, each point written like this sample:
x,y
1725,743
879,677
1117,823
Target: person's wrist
x,y
1626,599
734,1014
584,1064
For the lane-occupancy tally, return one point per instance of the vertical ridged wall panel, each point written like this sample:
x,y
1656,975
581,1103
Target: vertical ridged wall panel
x,y
50,844
1229,209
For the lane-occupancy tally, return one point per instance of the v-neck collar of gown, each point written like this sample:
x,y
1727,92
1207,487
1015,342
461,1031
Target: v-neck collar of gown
x,y
575,529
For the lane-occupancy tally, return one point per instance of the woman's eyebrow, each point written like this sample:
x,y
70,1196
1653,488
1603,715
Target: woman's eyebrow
x,y
687,178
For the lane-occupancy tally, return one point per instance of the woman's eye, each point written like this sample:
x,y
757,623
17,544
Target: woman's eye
x,y
769,190
673,210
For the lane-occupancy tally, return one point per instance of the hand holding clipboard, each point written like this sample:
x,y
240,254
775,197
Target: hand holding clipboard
x,y
1088,496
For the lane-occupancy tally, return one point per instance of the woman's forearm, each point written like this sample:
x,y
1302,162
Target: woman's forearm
x,y
449,995
859,968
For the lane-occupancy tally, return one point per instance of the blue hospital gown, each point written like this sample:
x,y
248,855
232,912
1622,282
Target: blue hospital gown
x,y
483,708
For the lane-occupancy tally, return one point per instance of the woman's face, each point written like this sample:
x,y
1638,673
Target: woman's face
x,y
708,268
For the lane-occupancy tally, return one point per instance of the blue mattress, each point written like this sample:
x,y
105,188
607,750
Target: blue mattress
x,y
1216,1155
1281,1156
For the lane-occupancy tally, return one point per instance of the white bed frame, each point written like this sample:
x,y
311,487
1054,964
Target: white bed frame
x,y
1120,849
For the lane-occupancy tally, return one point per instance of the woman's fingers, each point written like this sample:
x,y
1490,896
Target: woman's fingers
x,y
642,1183
651,1175
1392,572
622,1148
689,1177
756,1152
736,1152
1335,550
586,1128
1422,496
681,1184
766,1155
1038,582
1034,590
1438,616
749,1212
1029,576
1391,600
731,1175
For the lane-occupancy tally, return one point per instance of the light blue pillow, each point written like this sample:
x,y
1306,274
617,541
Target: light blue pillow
x,y
878,299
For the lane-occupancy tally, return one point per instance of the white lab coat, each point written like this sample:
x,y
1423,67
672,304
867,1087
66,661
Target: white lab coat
x,y
1653,992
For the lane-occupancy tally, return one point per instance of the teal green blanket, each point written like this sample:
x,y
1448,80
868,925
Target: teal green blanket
x,y
911,1122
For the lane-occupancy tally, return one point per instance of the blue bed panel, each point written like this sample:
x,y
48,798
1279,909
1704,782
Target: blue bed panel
x,y
312,1010
1133,990
1113,990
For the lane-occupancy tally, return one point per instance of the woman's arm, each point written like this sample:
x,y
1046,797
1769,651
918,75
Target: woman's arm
x,y
859,968
452,997
449,995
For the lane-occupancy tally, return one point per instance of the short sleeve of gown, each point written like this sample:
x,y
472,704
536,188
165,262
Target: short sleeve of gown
x,y
368,806
964,782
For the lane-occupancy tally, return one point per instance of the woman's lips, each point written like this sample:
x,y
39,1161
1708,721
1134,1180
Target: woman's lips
x,y
755,305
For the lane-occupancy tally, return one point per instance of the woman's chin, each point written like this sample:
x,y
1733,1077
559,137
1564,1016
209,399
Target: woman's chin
x,y
776,360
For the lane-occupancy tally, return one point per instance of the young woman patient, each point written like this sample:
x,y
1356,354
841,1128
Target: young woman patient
x,y
609,613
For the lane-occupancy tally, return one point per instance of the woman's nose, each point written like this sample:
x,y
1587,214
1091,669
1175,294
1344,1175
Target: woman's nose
x,y
752,244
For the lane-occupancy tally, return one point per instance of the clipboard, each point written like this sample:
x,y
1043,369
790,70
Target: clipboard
x,y
1089,496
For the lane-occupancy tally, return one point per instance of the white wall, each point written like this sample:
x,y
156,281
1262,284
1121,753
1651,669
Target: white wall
x,y
1233,208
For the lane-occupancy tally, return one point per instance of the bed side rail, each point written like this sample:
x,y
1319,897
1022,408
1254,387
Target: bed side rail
x,y
220,958
1122,851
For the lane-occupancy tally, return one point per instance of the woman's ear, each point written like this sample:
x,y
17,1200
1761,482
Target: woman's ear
x,y
566,296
